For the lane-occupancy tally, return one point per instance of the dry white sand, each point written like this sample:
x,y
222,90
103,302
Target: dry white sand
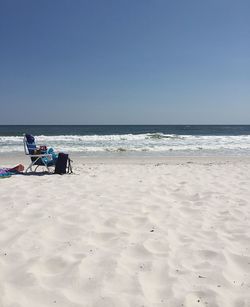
x,y
131,232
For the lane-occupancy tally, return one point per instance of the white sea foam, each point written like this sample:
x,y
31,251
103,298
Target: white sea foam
x,y
151,142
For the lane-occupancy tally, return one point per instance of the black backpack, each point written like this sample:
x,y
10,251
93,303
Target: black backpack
x,y
63,164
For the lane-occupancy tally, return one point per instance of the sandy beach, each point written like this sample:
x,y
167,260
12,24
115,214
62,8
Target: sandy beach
x,y
127,232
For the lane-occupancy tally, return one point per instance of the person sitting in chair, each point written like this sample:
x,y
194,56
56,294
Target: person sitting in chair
x,y
35,150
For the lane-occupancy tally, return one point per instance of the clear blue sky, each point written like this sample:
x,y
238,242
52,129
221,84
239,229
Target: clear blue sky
x,y
124,62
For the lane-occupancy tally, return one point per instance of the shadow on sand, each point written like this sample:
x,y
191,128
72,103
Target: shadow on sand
x,y
37,174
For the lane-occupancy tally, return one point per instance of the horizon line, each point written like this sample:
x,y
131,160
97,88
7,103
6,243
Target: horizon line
x,y
124,125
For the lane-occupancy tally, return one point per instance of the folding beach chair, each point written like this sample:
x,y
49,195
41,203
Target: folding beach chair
x,y
38,157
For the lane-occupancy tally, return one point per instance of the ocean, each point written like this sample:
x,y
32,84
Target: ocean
x,y
146,140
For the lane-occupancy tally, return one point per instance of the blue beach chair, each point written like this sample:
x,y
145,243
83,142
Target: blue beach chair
x,y
38,157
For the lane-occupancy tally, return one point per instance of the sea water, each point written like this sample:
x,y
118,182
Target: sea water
x,y
136,140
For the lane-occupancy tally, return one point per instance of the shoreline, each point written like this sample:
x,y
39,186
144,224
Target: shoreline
x,y
116,158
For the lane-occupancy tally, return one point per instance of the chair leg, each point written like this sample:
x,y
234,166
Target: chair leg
x,y
46,166
33,164
29,167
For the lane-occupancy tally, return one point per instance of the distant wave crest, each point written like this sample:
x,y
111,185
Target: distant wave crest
x,y
159,136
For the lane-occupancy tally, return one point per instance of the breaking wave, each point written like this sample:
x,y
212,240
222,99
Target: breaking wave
x,y
149,142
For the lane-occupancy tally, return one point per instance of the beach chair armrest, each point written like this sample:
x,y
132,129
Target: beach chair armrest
x,y
41,156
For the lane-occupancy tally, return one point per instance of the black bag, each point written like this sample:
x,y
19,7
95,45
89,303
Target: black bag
x,y
63,164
